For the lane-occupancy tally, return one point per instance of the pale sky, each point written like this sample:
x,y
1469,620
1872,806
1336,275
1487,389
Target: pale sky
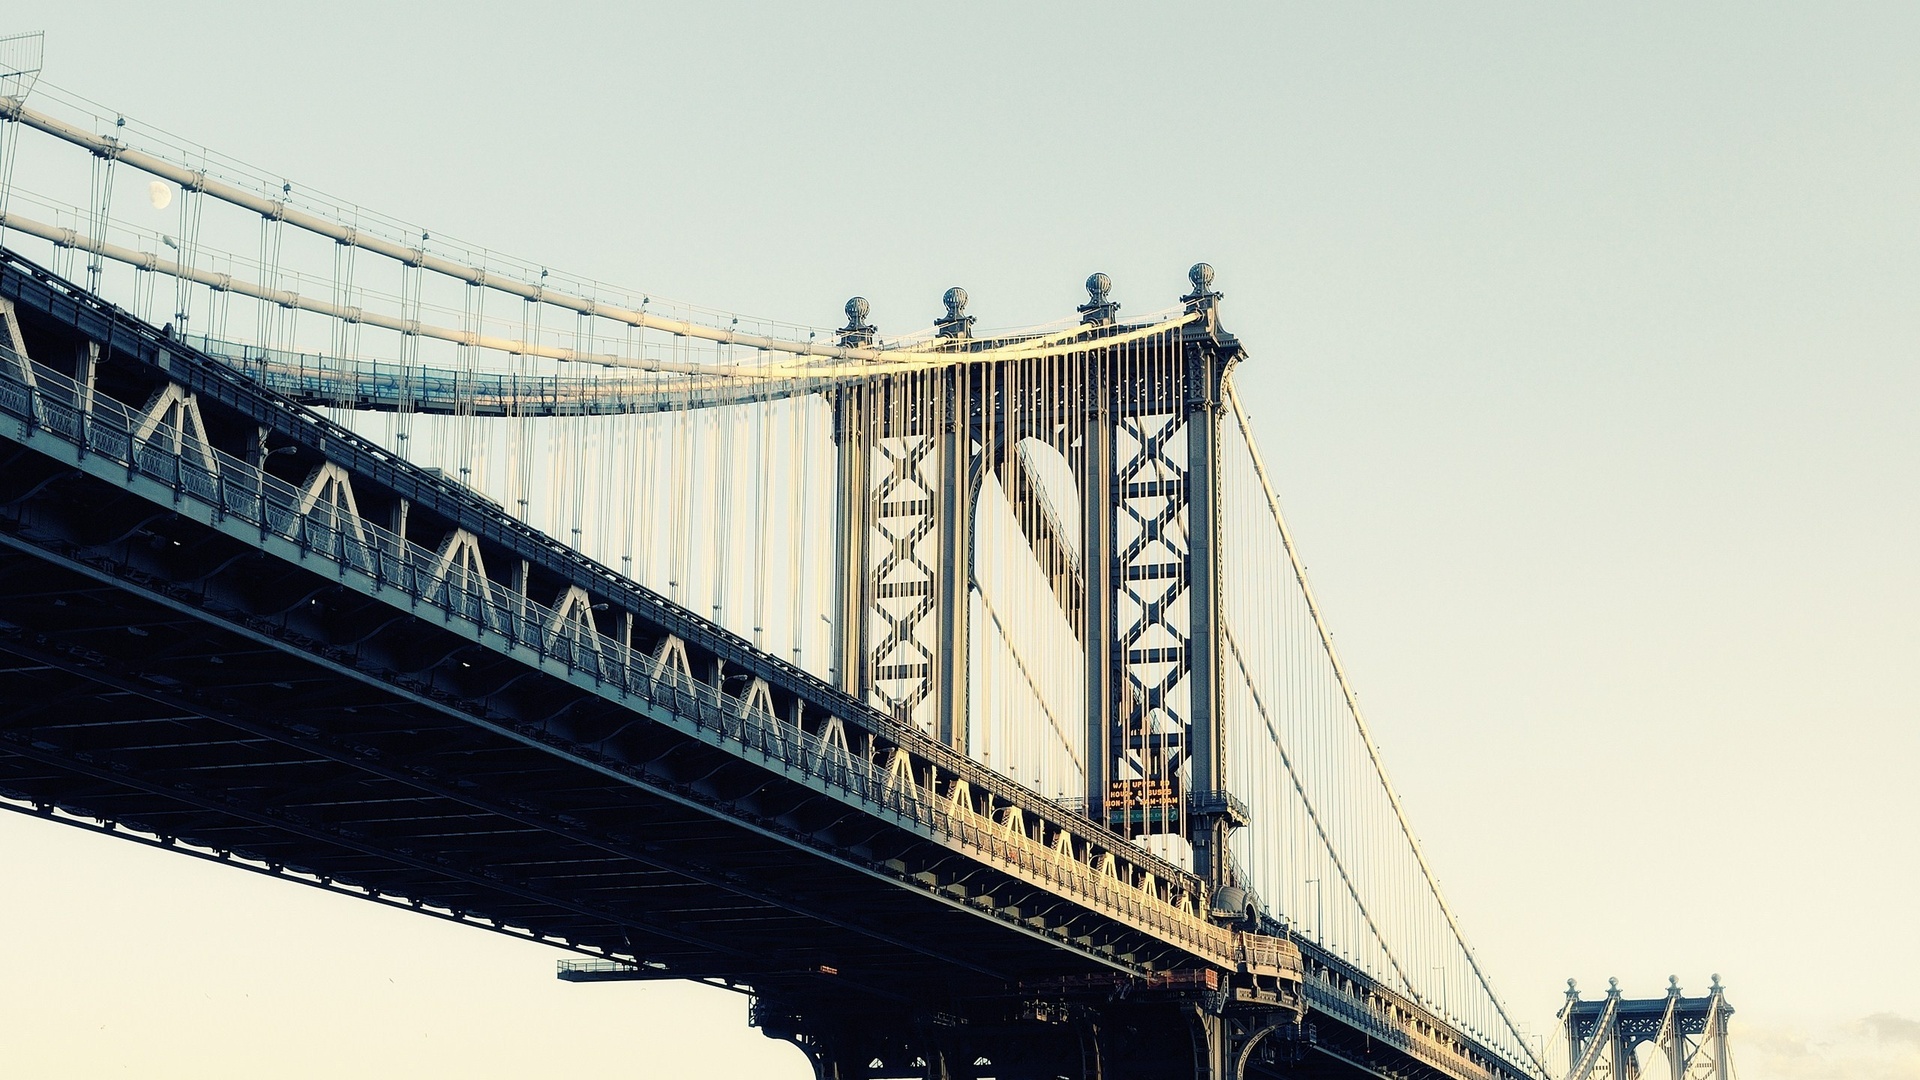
x,y
1584,348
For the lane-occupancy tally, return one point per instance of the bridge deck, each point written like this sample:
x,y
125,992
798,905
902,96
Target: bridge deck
x,y
258,684
215,653
229,737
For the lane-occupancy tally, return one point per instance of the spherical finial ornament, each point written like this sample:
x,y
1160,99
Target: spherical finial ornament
x,y
1571,985
1098,286
1716,980
1673,982
858,333
1201,276
956,301
1613,984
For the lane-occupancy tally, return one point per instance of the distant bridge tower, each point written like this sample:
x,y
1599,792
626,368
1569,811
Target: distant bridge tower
x,y
1603,1035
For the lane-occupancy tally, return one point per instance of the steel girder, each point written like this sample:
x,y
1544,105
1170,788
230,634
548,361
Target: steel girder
x,y
1140,436
191,577
282,690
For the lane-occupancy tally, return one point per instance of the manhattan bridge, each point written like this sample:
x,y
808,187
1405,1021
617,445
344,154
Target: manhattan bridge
x,y
959,695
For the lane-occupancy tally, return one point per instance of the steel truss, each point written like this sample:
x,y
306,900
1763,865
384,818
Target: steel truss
x,y
303,656
645,663
1138,425
1604,1036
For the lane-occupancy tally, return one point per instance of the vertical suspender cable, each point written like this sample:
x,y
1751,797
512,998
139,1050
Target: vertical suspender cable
x,y
1366,737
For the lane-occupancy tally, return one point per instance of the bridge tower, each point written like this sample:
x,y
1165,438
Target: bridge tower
x,y
1151,507
1138,422
1604,1036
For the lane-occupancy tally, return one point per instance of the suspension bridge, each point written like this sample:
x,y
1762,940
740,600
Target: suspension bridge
x,y
958,694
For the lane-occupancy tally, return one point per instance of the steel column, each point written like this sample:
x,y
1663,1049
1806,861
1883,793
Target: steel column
x,y
953,582
1207,749
853,528
1097,563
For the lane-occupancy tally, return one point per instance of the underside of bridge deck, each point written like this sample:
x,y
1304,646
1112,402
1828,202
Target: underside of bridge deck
x,y
177,686
125,703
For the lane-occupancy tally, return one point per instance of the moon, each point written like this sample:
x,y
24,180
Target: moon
x,y
160,194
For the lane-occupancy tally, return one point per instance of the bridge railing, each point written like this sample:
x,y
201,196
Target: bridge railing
x,y
218,382
321,519
753,733
757,733
1364,1005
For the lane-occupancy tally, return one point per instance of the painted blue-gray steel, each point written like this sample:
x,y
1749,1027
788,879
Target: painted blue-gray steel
x,y
98,436
379,385
1330,994
238,499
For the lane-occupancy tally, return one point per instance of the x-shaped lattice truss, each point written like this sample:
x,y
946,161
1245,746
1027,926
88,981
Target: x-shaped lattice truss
x,y
1150,488
905,520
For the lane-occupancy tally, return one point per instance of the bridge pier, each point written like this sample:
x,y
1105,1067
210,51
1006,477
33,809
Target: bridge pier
x,y
1188,1037
861,1040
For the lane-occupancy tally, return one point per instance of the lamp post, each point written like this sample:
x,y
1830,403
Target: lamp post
x,y
260,474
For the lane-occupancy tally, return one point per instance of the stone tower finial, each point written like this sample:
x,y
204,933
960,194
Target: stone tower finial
x,y
956,323
1099,310
1202,298
858,332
